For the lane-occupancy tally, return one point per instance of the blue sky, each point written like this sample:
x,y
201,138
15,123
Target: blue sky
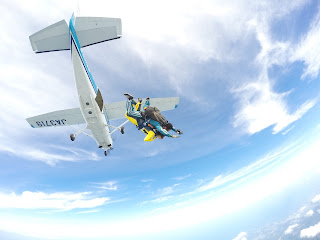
x,y
247,75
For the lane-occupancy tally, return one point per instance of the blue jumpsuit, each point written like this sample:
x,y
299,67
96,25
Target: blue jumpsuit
x,y
157,125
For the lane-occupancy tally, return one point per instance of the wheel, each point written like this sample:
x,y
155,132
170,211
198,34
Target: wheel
x,y
105,153
72,137
122,130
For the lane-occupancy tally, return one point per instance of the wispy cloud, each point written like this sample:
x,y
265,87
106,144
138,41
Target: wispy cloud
x,y
250,170
288,130
308,50
49,154
64,201
166,190
162,194
146,180
109,185
222,183
90,211
182,177
261,107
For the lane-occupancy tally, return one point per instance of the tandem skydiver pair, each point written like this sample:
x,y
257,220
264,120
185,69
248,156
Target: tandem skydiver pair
x,y
149,119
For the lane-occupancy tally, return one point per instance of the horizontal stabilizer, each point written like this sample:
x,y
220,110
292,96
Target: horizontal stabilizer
x,y
92,30
117,110
89,31
58,118
52,38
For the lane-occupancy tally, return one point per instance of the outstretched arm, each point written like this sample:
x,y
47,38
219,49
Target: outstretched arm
x,y
164,132
177,130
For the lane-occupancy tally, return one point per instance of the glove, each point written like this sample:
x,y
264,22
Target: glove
x,y
175,136
179,132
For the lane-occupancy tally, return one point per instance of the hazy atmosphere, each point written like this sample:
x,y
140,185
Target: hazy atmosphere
x,y
247,166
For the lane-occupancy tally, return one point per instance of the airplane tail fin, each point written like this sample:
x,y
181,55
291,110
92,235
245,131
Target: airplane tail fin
x,y
93,30
52,38
89,30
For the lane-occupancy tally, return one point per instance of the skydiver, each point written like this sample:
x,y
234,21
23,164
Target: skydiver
x,y
146,121
134,111
159,122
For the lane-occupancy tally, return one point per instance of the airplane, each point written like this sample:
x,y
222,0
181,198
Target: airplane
x,y
92,111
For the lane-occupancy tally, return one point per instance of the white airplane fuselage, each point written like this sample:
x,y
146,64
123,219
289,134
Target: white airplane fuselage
x,y
87,90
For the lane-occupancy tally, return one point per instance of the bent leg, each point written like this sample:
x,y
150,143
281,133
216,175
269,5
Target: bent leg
x,y
131,119
149,137
131,109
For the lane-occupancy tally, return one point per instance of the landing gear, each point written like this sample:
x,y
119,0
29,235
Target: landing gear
x,y
108,150
72,137
122,130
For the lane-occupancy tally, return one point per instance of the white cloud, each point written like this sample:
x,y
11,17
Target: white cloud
x,y
308,50
291,171
309,213
110,185
241,236
158,200
173,44
182,177
167,190
302,208
290,229
162,194
311,231
261,107
146,180
64,201
48,154
288,130
90,211
250,170
316,199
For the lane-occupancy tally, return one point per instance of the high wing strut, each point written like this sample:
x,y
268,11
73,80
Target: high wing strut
x,y
73,136
120,127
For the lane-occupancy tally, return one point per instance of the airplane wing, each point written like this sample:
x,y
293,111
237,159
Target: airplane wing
x,y
58,118
117,110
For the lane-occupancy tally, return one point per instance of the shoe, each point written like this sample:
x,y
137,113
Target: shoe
x,y
128,95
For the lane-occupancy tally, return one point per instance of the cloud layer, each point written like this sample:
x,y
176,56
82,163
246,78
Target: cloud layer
x,y
62,201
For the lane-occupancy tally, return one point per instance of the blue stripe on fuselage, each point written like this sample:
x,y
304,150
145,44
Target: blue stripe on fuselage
x,y
74,39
